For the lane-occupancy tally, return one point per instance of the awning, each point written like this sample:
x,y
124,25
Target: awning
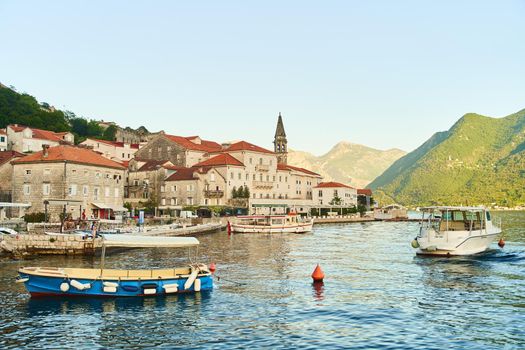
x,y
101,206
132,241
270,205
119,209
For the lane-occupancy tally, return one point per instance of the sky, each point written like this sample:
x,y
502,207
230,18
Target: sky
x,y
386,74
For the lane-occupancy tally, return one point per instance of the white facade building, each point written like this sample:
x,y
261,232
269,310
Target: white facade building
x,y
334,194
118,151
26,140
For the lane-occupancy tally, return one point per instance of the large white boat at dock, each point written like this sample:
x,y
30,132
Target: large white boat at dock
x,y
455,231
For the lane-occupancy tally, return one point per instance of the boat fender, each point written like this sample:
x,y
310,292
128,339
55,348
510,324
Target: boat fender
x,y
64,287
150,291
149,285
192,278
197,285
130,288
79,286
110,284
171,288
110,289
22,280
415,244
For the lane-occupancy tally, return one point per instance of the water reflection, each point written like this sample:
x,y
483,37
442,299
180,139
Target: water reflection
x,y
377,293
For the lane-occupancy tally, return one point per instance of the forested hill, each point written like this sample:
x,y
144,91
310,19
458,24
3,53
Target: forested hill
x,y
24,109
480,160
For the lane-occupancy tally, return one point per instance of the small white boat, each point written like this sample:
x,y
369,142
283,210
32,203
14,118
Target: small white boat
x,y
455,231
290,223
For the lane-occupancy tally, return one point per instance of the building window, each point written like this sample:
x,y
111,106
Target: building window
x,y
123,156
85,190
212,177
46,189
27,189
28,172
240,176
106,191
320,193
173,188
231,175
72,190
190,201
163,201
162,188
254,178
2,138
260,161
173,201
251,161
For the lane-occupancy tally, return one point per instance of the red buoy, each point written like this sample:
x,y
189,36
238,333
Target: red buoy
x,y
318,274
229,227
212,267
501,243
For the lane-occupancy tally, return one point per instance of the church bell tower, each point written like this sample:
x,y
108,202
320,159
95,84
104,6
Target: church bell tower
x,y
280,142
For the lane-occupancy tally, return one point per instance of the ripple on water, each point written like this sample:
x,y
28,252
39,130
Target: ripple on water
x,y
377,294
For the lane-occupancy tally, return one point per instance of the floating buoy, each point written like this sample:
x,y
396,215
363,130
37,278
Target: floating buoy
x,y
318,274
415,244
64,287
501,243
212,267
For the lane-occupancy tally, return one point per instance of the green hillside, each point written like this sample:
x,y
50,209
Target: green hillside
x,y
24,109
480,160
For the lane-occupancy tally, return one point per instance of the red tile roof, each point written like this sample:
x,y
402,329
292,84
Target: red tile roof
x,y
71,154
282,166
187,174
221,159
6,156
246,146
40,134
365,192
332,185
115,143
2,132
151,165
204,146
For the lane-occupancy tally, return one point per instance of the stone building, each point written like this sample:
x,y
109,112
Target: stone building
x,y
118,151
280,142
335,194
3,140
6,173
145,179
94,185
26,140
179,150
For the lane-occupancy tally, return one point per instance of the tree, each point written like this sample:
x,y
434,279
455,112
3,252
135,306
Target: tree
x,y
234,192
246,192
109,133
240,192
336,201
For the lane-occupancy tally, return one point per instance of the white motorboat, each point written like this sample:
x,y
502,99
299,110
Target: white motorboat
x,y
455,231
290,223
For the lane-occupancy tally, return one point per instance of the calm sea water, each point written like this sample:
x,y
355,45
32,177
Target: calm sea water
x,y
377,294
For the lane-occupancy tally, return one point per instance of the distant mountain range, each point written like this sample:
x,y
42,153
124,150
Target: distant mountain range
x,y
480,160
347,162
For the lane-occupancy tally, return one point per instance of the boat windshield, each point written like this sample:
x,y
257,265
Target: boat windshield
x,y
454,220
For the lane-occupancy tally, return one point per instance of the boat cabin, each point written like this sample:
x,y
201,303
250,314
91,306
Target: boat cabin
x,y
444,219
269,220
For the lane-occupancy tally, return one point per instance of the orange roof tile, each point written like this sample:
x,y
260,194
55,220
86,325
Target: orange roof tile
x,y
365,192
115,143
282,166
6,156
39,133
221,159
246,146
332,185
71,154
204,146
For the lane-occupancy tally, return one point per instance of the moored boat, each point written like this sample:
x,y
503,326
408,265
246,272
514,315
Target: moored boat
x,y
455,231
290,223
101,282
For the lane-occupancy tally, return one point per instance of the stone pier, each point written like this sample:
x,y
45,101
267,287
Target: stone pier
x,y
35,244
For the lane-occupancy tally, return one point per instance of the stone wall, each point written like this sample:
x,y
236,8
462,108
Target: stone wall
x,y
32,244
160,148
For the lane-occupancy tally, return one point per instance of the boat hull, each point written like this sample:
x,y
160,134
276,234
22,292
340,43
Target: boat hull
x,y
468,245
55,286
271,229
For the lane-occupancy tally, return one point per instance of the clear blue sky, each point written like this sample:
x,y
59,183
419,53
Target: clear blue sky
x,y
382,73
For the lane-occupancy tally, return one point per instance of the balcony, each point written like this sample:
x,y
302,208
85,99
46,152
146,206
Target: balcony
x,y
213,194
263,184
262,167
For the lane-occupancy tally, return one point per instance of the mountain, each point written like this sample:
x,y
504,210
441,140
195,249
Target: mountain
x,y
347,162
479,160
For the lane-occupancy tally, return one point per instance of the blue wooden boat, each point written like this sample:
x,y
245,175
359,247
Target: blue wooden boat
x,y
101,282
